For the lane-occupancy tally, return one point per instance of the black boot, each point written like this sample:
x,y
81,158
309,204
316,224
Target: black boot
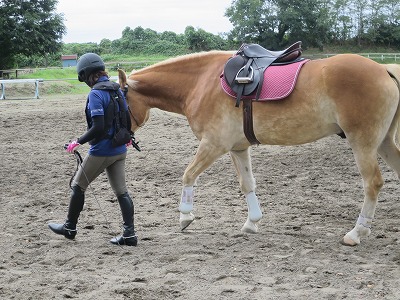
x,y
128,237
68,229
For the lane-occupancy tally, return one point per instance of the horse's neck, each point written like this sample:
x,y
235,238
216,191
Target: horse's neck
x,y
165,91
170,85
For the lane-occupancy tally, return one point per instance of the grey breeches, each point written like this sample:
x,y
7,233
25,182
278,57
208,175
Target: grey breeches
x,y
93,166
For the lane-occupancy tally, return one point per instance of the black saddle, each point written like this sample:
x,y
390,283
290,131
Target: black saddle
x,y
244,72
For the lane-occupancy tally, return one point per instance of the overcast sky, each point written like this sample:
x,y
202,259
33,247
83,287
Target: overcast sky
x,y
93,20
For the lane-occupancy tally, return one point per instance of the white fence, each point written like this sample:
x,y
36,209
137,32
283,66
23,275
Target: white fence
x,y
375,56
3,83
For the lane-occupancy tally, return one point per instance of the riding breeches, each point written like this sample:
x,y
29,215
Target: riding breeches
x,y
93,166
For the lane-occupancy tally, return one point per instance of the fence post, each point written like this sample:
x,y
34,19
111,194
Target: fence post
x,y
3,93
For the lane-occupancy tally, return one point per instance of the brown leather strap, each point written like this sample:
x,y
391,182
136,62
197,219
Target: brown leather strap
x,y
248,122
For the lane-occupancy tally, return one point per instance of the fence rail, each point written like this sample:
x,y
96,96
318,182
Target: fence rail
x,y
375,56
17,81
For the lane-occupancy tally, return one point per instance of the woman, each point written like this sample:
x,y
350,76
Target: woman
x,y
102,154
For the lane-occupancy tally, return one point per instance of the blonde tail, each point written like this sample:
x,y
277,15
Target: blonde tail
x,y
394,72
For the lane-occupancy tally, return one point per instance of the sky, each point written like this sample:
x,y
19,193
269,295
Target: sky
x,y
93,20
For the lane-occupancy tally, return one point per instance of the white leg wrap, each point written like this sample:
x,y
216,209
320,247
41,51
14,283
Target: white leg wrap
x,y
186,205
366,222
362,229
254,209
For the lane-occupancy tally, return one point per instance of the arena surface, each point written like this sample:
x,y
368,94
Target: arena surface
x,y
311,196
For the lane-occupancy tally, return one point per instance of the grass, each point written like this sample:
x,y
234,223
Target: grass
x,y
57,80
65,81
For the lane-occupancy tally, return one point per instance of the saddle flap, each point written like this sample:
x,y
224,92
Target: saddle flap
x,y
234,68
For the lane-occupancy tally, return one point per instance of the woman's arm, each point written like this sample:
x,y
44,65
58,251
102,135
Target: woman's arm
x,y
96,131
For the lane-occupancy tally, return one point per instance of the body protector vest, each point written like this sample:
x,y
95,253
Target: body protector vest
x,y
114,115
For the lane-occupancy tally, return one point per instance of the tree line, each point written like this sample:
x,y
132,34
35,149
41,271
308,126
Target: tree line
x,y
361,23
31,31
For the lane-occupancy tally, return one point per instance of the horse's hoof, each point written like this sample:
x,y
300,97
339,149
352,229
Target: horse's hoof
x,y
249,227
349,241
185,220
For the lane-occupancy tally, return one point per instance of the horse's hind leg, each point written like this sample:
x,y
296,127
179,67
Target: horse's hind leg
x,y
390,153
372,180
242,162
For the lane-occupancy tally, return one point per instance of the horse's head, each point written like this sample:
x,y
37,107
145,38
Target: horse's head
x,y
139,110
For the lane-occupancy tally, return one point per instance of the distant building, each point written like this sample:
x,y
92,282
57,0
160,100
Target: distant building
x,y
69,60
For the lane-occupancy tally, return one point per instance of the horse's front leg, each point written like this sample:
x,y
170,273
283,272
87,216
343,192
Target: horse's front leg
x,y
205,156
242,162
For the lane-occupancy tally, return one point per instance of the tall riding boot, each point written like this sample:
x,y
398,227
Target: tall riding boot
x,y
128,237
68,229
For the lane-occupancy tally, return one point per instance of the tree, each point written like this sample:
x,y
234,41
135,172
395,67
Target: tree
x,y
276,23
201,40
29,28
384,23
255,21
305,20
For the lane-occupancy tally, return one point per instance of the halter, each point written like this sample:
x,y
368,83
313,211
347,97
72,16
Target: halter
x,y
125,91
134,143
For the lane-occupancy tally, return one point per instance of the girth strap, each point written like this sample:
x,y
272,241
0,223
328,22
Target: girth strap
x,y
248,122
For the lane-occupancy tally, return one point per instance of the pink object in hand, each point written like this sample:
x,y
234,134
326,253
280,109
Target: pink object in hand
x,y
72,147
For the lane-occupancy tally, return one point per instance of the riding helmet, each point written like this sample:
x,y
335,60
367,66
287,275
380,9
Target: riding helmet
x,y
87,64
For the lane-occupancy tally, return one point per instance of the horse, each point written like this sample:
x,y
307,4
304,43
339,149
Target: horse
x,y
344,94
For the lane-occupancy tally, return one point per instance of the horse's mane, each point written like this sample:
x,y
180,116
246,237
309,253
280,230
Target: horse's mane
x,y
182,58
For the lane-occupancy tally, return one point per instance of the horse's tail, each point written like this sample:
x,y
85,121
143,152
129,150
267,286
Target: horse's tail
x,y
394,72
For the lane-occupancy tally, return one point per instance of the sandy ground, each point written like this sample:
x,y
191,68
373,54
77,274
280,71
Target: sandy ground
x,y
311,196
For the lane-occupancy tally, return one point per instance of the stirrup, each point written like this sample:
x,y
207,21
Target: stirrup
x,y
247,79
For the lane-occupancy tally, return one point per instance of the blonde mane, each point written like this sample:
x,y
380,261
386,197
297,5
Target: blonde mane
x,y
182,58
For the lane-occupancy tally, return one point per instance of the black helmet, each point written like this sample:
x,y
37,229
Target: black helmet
x,y
87,64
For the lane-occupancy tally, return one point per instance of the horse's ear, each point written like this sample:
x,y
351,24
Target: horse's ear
x,y
121,78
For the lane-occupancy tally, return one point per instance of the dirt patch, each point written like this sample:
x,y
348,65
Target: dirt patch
x,y
311,196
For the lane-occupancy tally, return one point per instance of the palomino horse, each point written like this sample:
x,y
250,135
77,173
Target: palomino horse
x,y
343,94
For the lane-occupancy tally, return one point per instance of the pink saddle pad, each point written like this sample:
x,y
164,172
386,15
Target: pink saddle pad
x,y
279,82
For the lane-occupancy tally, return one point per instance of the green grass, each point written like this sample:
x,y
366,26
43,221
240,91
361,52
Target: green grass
x,y
57,81
65,80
